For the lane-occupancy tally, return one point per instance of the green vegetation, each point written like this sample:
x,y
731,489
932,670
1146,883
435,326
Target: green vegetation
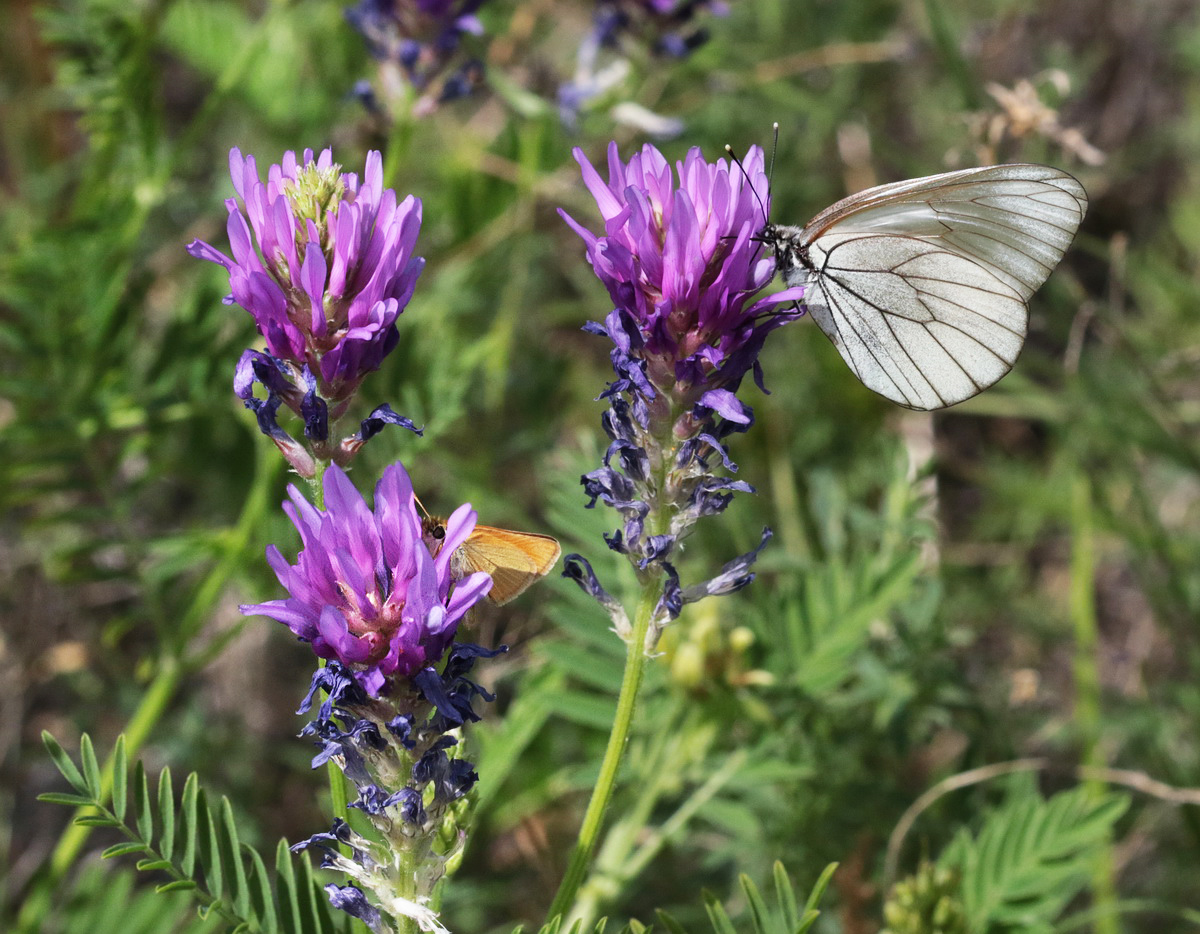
x,y
994,607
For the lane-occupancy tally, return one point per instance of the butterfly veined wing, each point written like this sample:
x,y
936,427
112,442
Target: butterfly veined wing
x,y
513,559
922,285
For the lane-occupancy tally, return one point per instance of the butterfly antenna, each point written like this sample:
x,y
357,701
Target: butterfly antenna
x,y
733,156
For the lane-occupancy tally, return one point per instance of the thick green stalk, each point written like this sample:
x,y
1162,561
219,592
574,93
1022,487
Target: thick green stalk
x,y
607,871
406,872
618,739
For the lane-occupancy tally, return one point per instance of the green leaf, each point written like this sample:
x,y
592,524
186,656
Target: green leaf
x,y
61,797
187,806
759,916
102,898
120,776
231,857
311,913
667,921
261,898
210,847
285,888
592,710
178,885
717,914
785,896
91,768
1032,857
809,919
64,764
88,820
123,849
818,891
145,810
166,814
153,865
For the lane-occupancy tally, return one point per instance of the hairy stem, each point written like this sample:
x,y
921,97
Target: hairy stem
x,y
618,739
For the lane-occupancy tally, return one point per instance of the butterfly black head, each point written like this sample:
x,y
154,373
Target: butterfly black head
x,y
787,243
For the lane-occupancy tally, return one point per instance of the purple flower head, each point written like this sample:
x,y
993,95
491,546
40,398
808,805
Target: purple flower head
x,y
323,261
365,589
680,261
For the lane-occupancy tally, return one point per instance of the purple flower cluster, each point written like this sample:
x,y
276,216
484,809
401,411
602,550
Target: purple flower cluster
x,y
680,257
325,264
365,589
367,593
682,266
420,42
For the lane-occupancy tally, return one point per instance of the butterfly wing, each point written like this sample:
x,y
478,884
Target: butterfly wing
x,y
922,285
513,559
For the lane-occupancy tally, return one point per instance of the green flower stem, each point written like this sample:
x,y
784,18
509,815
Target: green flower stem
x,y
316,483
339,795
618,739
630,847
654,773
407,864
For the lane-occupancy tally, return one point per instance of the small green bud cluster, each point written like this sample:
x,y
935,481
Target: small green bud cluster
x,y
926,903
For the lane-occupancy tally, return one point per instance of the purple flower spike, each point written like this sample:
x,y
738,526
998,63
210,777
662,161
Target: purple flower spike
x,y
680,262
680,255
322,260
365,590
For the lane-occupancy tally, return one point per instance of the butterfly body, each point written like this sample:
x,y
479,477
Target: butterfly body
x,y
923,285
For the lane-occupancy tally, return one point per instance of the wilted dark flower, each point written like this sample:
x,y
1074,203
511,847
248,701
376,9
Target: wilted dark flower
x,y
411,778
419,42
666,28
365,589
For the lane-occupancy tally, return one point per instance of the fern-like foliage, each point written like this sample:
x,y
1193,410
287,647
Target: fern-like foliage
x,y
195,845
1032,857
784,917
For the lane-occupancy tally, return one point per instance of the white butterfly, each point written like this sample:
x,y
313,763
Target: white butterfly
x,y
922,285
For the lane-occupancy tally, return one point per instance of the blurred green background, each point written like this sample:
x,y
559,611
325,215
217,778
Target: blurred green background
x,y
1017,577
